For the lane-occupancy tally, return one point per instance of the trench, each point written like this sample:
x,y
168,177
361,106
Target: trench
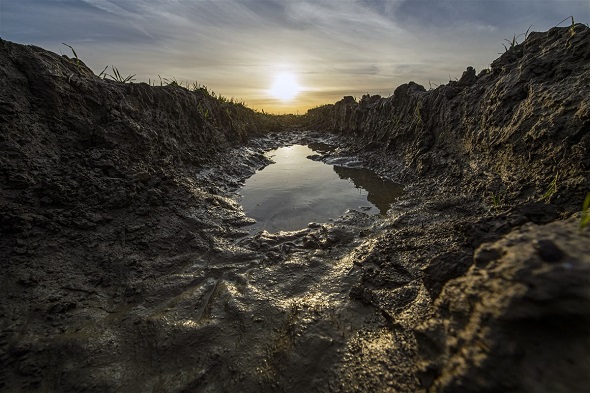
x,y
129,264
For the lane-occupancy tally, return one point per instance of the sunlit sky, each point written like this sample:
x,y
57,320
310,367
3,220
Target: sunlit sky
x,y
324,49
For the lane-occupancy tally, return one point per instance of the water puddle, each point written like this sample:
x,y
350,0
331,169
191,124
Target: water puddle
x,y
296,190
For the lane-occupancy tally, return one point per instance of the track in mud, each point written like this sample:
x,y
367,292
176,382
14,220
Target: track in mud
x,y
336,307
184,302
271,312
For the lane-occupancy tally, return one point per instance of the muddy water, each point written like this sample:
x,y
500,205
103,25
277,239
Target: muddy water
x,y
296,190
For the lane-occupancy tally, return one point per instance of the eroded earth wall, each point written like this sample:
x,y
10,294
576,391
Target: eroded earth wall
x,y
99,196
509,295
509,130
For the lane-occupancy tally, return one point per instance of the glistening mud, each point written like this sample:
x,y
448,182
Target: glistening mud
x,y
298,188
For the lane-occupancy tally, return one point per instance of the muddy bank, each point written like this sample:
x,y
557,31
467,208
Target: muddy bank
x,y
508,130
484,157
125,265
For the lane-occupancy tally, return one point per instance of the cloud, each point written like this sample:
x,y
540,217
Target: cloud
x,y
236,46
50,21
111,8
486,15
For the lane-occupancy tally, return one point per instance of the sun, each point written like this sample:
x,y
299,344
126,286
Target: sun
x,y
285,86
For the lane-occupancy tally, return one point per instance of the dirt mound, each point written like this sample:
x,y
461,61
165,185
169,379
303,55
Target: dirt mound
x,y
99,189
483,156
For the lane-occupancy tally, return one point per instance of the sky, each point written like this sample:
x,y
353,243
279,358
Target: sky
x,y
320,49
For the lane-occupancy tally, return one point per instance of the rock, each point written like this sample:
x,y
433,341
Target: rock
x,y
484,255
539,213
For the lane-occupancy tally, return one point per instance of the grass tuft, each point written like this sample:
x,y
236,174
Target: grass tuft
x,y
418,114
204,112
103,72
551,190
514,41
495,200
116,76
571,17
585,219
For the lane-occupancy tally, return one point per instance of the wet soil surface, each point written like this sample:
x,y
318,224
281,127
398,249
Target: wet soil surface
x,y
331,307
211,312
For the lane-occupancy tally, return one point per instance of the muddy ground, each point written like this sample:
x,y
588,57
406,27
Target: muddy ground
x,y
125,265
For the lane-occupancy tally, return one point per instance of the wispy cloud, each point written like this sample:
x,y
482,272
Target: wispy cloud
x,y
236,46
110,7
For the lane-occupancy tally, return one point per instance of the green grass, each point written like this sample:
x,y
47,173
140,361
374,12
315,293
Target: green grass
x,y
585,219
116,75
74,53
103,72
418,113
571,17
514,41
203,111
571,30
551,190
495,200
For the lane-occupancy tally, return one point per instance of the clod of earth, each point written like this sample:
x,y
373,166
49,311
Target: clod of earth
x,y
125,266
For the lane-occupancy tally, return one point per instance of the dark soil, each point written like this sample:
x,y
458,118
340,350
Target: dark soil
x,y
125,266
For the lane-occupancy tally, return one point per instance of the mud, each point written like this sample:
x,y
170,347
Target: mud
x,y
125,266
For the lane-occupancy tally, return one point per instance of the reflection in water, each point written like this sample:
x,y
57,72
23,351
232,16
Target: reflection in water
x,y
381,193
295,190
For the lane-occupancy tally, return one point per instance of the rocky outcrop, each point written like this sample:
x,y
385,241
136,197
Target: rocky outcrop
x,y
509,131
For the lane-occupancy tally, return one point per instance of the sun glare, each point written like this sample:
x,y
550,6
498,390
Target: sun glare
x,y
285,86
